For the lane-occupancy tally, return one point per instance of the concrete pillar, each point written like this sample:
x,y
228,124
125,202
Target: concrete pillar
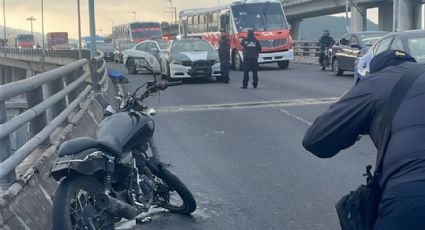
x,y
409,14
358,19
386,15
2,76
18,74
56,86
5,151
8,74
296,29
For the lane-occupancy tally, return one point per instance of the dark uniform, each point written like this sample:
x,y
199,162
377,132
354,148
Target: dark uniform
x,y
325,42
252,49
224,54
359,112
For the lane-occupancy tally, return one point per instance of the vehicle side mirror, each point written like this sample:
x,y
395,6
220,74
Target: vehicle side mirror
x,y
355,45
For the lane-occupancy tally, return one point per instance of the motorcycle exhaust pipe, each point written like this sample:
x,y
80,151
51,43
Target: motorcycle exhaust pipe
x,y
116,207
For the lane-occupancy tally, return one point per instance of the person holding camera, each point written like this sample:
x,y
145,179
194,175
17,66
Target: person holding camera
x,y
389,106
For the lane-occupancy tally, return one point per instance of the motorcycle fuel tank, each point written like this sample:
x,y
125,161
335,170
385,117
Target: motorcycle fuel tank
x,y
130,130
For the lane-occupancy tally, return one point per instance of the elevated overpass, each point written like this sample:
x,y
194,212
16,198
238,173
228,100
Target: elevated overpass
x,y
394,15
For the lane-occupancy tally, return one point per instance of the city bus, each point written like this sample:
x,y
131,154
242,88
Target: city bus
x,y
266,18
136,32
57,40
22,41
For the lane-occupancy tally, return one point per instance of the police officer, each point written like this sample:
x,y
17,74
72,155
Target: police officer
x,y
252,49
224,54
359,111
325,42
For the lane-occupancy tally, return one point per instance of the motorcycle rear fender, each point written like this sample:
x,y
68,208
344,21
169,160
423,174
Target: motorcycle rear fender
x,y
89,167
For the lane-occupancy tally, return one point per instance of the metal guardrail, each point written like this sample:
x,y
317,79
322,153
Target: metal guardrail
x,y
47,53
306,48
66,87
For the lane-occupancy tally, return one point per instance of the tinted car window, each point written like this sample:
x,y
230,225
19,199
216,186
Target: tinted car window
x,y
354,40
397,44
417,48
142,47
383,46
151,45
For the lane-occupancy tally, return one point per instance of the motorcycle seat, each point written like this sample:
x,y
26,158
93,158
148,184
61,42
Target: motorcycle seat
x,y
108,144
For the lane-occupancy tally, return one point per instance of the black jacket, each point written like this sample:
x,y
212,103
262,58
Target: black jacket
x,y
252,48
224,48
326,41
359,112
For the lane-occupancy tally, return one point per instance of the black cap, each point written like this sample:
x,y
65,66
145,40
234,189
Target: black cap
x,y
251,32
389,58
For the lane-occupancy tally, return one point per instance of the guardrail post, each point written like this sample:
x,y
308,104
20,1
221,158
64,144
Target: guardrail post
x,y
35,97
5,151
95,78
7,74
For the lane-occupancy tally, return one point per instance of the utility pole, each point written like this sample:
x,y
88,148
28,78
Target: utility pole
x,y
4,20
42,30
92,30
79,30
346,17
31,19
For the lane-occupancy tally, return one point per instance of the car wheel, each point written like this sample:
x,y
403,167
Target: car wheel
x,y
131,66
237,62
283,64
336,69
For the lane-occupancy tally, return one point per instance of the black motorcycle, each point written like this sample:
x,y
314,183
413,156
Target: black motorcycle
x,y
118,174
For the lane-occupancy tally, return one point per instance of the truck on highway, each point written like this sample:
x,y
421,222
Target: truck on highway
x,y
22,41
58,40
265,17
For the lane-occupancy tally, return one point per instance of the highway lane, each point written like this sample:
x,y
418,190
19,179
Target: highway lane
x,y
245,163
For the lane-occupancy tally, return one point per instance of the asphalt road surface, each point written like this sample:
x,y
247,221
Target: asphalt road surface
x,y
239,151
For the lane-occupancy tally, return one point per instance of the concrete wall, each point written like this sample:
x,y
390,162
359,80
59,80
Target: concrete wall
x,y
27,203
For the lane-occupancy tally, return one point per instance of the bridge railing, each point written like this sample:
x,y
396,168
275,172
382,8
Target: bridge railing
x,y
306,49
47,52
66,87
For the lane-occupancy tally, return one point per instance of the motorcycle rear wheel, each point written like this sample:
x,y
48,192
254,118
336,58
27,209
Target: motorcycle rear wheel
x,y
73,194
167,184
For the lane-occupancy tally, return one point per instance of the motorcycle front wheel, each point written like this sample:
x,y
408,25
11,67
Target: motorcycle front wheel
x,y
73,196
172,194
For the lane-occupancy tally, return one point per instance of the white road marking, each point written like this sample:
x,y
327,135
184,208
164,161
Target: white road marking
x,y
296,117
248,105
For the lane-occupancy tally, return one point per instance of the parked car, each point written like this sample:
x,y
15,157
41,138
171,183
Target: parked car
x,y
412,42
190,58
135,57
350,47
108,51
118,53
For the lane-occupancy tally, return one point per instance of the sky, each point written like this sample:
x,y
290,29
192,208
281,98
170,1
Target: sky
x,y
61,15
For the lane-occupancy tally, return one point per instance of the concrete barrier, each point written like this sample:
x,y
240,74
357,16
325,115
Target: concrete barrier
x,y
27,204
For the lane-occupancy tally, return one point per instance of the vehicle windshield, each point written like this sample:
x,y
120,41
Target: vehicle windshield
x,y
25,38
417,48
146,31
126,46
259,17
191,46
370,39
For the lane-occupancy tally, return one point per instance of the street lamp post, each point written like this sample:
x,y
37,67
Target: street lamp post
x,y
31,19
42,29
4,19
79,30
92,30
